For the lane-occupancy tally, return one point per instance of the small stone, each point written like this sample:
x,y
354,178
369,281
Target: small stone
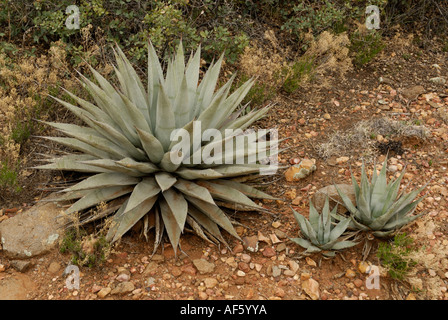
x,y
411,296
363,267
123,277
294,266
342,160
104,292
279,292
245,258
350,273
327,116
310,262
2,268
438,80
210,282
203,295
240,273
281,247
276,271
250,243
276,224
203,266
358,283
21,265
311,288
238,248
96,288
54,267
243,266
269,252
123,287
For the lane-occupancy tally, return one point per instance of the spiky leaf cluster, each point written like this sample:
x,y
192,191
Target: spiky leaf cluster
x,y
126,146
320,232
379,208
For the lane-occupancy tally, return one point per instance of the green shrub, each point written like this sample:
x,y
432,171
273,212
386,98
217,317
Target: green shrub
x,y
394,256
365,46
295,75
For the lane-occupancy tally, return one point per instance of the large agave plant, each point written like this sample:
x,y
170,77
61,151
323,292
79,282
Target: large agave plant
x,y
321,233
379,208
126,146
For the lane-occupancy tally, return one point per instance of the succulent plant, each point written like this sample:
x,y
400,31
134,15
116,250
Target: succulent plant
x,y
321,232
379,208
127,150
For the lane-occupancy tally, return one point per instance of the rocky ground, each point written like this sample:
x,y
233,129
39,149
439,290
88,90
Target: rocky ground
x,y
405,84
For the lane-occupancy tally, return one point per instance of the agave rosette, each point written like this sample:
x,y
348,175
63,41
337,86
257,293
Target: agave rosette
x,y
379,208
126,147
321,233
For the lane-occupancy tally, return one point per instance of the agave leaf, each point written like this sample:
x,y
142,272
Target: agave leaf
x,y
167,164
392,192
181,103
398,223
129,218
339,229
214,213
199,231
113,166
178,206
343,245
155,77
93,110
80,146
402,202
310,248
378,194
246,189
109,106
143,191
206,223
192,189
326,218
97,196
143,167
228,194
347,202
104,180
160,227
171,225
238,170
72,163
208,117
118,138
194,174
165,121
207,87
152,146
133,85
165,180
91,137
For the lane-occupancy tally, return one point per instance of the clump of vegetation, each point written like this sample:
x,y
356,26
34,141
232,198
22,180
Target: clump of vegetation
x,y
379,208
365,46
86,250
25,82
395,256
321,233
133,155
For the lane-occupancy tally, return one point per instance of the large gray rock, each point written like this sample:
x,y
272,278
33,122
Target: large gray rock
x,y
32,232
330,191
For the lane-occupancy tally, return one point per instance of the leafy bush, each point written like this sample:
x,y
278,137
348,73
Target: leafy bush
x,y
394,256
130,23
365,46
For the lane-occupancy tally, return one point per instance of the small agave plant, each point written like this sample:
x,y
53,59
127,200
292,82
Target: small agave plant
x,y
321,232
126,148
379,208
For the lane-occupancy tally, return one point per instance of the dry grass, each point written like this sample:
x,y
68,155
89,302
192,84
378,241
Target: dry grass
x,y
361,137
